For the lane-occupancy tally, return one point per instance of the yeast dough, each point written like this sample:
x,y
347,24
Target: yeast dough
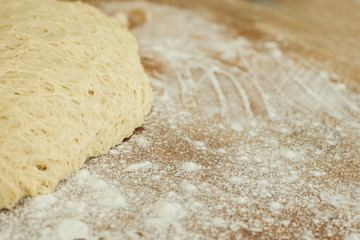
x,y
71,86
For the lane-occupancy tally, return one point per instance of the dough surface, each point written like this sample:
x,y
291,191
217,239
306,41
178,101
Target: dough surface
x,y
71,87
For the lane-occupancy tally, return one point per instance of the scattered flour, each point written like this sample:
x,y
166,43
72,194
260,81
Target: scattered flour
x,y
275,207
166,214
290,154
43,201
142,141
221,151
317,173
190,166
72,229
139,166
167,210
114,152
237,126
279,142
197,144
188,187
353,236
110,198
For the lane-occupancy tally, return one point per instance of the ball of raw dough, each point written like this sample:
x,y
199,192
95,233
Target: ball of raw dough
x,y
71,86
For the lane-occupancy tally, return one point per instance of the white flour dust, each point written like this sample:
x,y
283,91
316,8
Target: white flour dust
x,y
244,141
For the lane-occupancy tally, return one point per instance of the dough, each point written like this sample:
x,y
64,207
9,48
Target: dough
x,y
71,86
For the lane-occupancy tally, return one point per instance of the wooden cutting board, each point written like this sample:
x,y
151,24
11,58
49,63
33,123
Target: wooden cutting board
x,y
254,131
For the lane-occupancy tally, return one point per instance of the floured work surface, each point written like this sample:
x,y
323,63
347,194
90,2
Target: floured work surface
x,y
248,137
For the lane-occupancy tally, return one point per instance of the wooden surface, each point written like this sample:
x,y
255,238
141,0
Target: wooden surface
x,y
325,29
254,131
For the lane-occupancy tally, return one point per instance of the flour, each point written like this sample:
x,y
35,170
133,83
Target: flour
x,y
114,152
72,229
139,166
143,142
188,187
277,161
190,166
